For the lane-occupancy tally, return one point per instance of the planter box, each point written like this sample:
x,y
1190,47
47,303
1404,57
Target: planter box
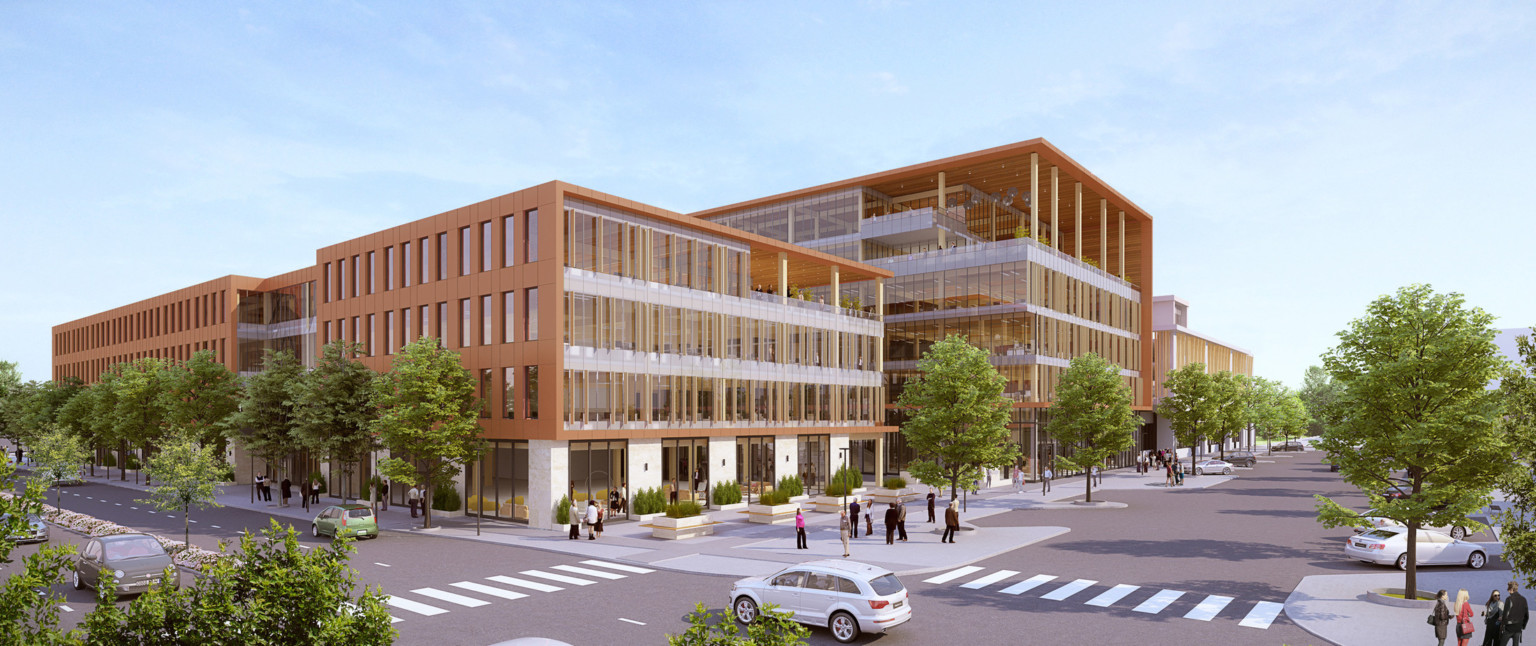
x,y
800,498
674,529
735,506
830,504
646,518
883,496
772,514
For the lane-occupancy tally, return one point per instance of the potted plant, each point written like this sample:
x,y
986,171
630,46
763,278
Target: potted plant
x,y
845,483
648,504
683,520
794,487
772,508
727,496
894,491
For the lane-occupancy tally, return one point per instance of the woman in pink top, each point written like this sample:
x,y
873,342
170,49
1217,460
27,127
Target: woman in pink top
x,y
800,531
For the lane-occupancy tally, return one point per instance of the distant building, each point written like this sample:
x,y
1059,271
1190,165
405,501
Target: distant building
x,y
1176,346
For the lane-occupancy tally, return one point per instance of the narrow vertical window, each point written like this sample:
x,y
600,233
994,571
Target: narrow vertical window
x,y
372,336
442,256
508,238
426,262
442,324
405,327
341,278
464,329
486,377
389,332
487,314
421,322
487,240
327,332
357,276
531,314
406,269
329,280
466,250
373,272
531,239
389,268
531,391
507,333
508,394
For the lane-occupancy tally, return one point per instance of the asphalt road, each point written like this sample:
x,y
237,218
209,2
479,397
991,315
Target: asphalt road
x,y
1251,539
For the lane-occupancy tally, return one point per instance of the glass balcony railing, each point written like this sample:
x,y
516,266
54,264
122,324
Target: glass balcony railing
x,y
815,306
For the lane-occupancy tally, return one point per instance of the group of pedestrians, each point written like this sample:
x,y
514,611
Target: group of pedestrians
x,y
592,517
1503,620
895,522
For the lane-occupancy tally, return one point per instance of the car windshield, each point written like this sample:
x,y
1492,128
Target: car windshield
x,y
886,585
1380,533
359,513
133,548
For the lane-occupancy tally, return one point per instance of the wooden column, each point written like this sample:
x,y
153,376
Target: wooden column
x,y
1034,195
1077,249
836,287
1122,245
1055,211
941,203
784,271
1104,234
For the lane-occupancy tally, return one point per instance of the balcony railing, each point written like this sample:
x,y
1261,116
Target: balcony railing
x,y
815,307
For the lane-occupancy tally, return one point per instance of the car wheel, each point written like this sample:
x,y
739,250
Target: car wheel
x,y
314,530
1477,561
1402,562
1458,532
1226,471
844,627
746,609
78,584
1199,472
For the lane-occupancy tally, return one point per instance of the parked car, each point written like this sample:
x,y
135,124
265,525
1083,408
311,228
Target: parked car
x,y
1389,546
136,562
1242,458
35,532
1455,531
847,597
1290,445
339,521
1213,466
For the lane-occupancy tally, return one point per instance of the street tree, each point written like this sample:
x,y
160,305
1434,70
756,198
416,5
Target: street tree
x,y
78,417
266,418
102,421
1264,408
200,395
1191,405
1320,392
1092,417
1233,392
188,473
47,400
958,422
334,408
427,410
57,456
140,404
12,398
1415,371
1518,522
29,603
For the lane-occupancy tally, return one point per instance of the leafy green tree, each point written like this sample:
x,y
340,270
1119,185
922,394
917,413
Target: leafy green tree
x,y
1191,405
29,606
78,417
102,421
1092,414
12,398
1233,391
1292,417
200,395
265,422
140,404
1415,371
334,407
427,410
47,400
1518,389
1320,392
57,456
773,627
189,474
959,417
271,592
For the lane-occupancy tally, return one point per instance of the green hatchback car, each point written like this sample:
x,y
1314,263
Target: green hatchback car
x,y
338,521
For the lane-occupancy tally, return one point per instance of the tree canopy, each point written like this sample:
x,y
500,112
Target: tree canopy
x,y
1518,531
266,419
334,407
959,417
1191,405
427,411
200,395
1092,417
188,473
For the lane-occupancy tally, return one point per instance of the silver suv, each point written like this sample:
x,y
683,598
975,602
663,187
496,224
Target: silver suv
x,y
848,598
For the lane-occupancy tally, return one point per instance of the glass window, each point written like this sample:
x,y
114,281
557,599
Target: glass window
x,y
426,262
531,391
442,325
886,585
465,340
389,268
788,579
466,251
329,281
406,269
508,235
442,256
372,336
507,334
487,313
486,378
357,276
373,272
405,326
425,316
389,332
531,243
824,582
508,395
486,240
531,313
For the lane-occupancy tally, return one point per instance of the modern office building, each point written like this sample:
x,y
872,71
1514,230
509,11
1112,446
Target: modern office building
x,y
1017,248
1177,346
617,346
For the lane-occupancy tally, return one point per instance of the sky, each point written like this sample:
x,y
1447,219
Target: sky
x,y
1299,159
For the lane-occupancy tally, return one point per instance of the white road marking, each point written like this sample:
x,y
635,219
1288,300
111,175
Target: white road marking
x,y
393,619
637,623
1159,601
1028,584
191,521
214,526
1061,593
1262,615
488,590
467,602
989,579
134,508
118,504
953,574
618,566
522,583
558,577
1207,610
1112,595
588,572
381,564
412,606
66,608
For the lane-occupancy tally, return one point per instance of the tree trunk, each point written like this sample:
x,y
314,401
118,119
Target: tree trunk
x,y
186,525
1411,585
1089,474
122,462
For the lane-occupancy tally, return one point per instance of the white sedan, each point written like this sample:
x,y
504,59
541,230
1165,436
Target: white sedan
x,y
1213,466
847,597
1389,546
1456,531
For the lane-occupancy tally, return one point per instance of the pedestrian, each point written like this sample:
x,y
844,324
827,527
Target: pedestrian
x,y
261,487
286,489
853,510
951,522
1441,617
1516,615
869,524
800,530
1018,481
413,498
384,493
314,490
1168,470
1493,616
575,520
304,494
591,520
598,526
1093,472
989,478
1045,481
931,498
1464,627
1178,474
890,525
842,530
901,521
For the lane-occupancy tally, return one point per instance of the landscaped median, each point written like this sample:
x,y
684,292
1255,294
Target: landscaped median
x,y
182,554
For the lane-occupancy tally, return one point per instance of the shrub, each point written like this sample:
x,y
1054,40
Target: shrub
x,y
132,463
684,509
727,493
445,499
791,486
563,511
649,501
109,461
775,497
844,482
895,483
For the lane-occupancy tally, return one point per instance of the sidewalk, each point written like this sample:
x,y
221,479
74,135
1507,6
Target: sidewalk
x,y
1334,607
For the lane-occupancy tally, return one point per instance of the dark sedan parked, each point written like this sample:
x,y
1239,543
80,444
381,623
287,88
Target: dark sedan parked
x,y
135,561
1242,458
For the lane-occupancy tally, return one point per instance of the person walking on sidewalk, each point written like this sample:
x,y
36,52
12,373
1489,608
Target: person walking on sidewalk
x,y
1045,481
1178,474
1441,617
304,494
286,489
901,521
842,530
1493,617
575,518
413,498
869,523
1093,472
591,520
1464,627
261,482
853,511
1516,615
931,498
800,530
1018,481
951,522
890,525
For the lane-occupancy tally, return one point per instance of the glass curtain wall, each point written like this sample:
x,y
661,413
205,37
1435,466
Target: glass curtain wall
x,y
755,465
685,470
348,488
599,472
495,486
861,458
814,462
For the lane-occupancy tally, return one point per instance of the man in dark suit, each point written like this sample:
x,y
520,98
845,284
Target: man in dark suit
x,y
931,497
1516,614
890,524
853,511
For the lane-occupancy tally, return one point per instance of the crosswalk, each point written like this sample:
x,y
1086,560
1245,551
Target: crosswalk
x,y
1260,616
429,602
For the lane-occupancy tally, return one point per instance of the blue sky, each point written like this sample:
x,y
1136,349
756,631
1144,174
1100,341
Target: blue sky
x,y
1299,159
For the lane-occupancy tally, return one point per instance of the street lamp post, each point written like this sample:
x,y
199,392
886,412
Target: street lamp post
x,y
844,451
